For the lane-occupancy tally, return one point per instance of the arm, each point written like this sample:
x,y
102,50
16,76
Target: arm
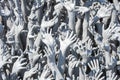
x,y
51,63
85,26
64,44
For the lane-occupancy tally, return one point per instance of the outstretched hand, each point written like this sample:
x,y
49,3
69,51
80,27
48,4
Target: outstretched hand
x,y
20,64
69,40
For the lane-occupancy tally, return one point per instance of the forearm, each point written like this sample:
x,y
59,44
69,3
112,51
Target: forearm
x,y
18,43
107,59
113,18
116,4
85,26
71,23
23,8
78,27
17,5
55,71
61,61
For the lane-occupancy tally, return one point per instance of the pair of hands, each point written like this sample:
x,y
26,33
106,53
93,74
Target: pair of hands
x,y
64,44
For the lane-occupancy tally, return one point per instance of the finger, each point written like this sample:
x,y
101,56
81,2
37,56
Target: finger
x,y
94,63
50,31
97,72
24,64
113,75
99,75
45,52
71,34
35,71
77,40
73,37
23,59
22,68
7,62
102,78
14,57
115,78
67,34
21,56
74,40
90,66
47,30
97,62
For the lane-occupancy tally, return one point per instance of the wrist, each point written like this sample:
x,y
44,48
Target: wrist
x,y
14,73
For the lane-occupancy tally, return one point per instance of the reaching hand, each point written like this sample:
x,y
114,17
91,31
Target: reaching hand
x,y
112,76
19,27
69,39
31,72
69,5
49,52
48,39
107,33
94,65
50,23
104,11
98,76
20,64
81,10
4,60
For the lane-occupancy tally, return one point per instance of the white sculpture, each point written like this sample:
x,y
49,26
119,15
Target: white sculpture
x,y
59,40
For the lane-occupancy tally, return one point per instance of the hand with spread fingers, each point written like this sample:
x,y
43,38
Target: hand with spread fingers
x,y
20,64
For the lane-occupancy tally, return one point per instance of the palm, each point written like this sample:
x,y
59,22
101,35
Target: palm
x,y
104,11
69,39
48,39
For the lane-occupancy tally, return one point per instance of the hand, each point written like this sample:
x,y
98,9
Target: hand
x,y
104,11
69,39
58,7
31,72
81,10
45,73
33,58
19,27
98,75
112,76
50,23
20,64
107,33
33,31
69,5
85,48
73,62
89,46
82,74
5,12
94,65
4,60
48,39
49,52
